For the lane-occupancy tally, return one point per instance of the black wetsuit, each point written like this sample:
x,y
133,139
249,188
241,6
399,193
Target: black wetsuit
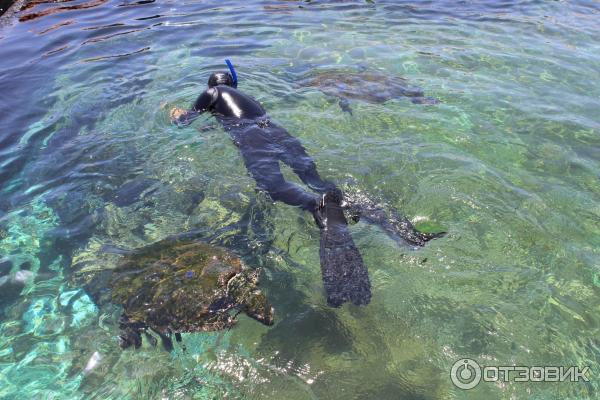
x,y
263,144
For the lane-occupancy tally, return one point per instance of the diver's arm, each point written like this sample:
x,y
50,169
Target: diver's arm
x,y
203,103
182,117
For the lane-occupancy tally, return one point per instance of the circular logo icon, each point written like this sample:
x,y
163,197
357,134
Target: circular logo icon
x,y
465,374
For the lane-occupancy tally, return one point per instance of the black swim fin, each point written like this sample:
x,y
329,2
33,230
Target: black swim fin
x,y
345,276
396,226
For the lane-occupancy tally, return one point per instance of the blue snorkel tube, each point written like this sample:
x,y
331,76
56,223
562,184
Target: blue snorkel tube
x,y
233,74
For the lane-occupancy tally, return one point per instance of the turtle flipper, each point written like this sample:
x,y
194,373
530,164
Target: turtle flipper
x,y
345,276
131,332
424,100
151,339
165,339
345,105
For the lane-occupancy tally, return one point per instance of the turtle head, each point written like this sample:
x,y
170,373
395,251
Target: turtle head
x,y
258,308
243,288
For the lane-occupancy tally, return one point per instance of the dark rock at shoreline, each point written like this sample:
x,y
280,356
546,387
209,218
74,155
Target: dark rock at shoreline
x,y
5,5
8,8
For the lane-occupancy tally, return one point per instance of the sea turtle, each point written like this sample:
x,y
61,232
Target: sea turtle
x,y
370,86
176,286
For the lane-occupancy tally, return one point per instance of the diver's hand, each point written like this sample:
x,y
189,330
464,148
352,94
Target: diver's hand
x,y
176,113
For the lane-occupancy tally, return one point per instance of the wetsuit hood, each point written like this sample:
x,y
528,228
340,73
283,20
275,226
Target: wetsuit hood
x,y
220,78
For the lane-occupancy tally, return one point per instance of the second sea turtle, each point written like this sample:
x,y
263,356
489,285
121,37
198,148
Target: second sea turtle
x,y
370,86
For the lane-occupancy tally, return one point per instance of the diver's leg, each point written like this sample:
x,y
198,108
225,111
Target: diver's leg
x,y
294,155
345,276
265,170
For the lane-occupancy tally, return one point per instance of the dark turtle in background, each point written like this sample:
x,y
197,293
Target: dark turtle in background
x,y
370,86
176,286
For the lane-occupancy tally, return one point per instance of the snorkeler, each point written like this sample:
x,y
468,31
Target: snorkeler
x,y
263,144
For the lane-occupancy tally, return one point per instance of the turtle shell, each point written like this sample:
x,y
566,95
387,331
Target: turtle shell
x,y
372,87
174,286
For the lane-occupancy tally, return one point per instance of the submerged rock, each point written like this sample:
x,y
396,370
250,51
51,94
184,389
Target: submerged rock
x,y
134,190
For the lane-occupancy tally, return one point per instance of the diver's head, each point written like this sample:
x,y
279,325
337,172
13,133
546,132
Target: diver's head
x,y
220,78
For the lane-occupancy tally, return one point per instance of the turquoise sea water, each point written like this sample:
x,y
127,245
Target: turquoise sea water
x,y
508,163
